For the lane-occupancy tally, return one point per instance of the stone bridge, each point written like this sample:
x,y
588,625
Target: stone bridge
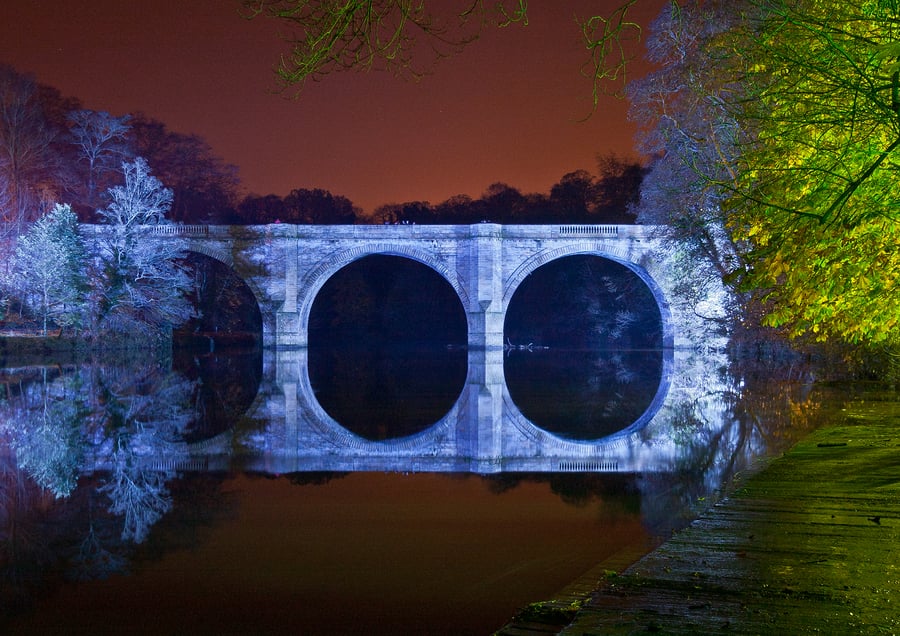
x,y
286,265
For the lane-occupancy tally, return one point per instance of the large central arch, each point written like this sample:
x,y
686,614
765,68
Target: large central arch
x,y
316,278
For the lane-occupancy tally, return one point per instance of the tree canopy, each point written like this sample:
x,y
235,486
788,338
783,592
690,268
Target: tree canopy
x,y
778,121
815,193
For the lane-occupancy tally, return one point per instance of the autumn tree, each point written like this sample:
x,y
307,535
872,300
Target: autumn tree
x,y
814,199
777,125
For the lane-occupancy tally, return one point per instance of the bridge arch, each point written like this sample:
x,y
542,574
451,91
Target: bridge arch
x,y
213,251
616,253
320,274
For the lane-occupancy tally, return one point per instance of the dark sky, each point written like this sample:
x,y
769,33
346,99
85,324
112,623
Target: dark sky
x,y
506,109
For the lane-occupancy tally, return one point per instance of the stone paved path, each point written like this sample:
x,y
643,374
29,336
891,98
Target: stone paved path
x,y
810,545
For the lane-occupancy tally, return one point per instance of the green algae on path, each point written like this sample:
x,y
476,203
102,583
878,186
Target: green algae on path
x,y
809,545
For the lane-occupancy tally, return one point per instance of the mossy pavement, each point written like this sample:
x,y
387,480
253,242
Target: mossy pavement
x,y
809,545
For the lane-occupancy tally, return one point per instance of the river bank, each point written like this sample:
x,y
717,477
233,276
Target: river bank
x,y
811,544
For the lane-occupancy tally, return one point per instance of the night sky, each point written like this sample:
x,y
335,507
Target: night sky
x,y
506,109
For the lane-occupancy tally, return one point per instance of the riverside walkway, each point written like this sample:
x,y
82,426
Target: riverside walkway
x,y
809,545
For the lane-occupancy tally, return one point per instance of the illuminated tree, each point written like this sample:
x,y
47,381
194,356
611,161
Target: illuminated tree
x,y
143,286
775,126
686,127
814,198
49,268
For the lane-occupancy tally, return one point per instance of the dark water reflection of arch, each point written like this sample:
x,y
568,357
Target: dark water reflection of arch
x,y
386,355
592,333
585,395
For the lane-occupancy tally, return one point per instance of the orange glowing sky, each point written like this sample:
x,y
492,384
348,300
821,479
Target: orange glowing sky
x,y
506,109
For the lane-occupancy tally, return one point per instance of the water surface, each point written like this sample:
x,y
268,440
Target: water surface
x,y
137,498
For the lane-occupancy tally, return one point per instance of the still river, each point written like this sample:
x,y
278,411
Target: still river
x,y
151,496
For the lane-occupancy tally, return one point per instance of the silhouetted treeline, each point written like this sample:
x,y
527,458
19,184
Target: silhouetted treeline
x,y
52,150
578,197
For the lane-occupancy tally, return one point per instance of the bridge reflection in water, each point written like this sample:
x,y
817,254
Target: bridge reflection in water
x,y
484,431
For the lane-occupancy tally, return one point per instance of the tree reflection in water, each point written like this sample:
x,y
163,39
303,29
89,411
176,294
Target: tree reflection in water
x,y
87,451
85,492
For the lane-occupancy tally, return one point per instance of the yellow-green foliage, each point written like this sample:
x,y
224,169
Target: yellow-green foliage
x,y
816,196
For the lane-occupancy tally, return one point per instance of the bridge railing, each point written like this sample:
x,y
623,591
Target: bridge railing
x,y
589,230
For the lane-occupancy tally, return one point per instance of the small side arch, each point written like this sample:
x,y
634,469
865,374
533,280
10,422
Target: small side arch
x,y
215,252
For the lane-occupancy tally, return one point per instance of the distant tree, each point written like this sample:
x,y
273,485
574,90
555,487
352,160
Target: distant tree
x,y
29,164
417,212
502,203
457,209
618,189
573,198
318,207
204,187
259,210
143,285
49,268
101,140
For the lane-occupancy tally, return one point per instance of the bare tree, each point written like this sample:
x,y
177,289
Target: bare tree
x,y
204,187
27,159
101,140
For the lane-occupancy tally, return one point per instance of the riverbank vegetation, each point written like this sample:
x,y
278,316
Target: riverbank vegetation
x,y
774,127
